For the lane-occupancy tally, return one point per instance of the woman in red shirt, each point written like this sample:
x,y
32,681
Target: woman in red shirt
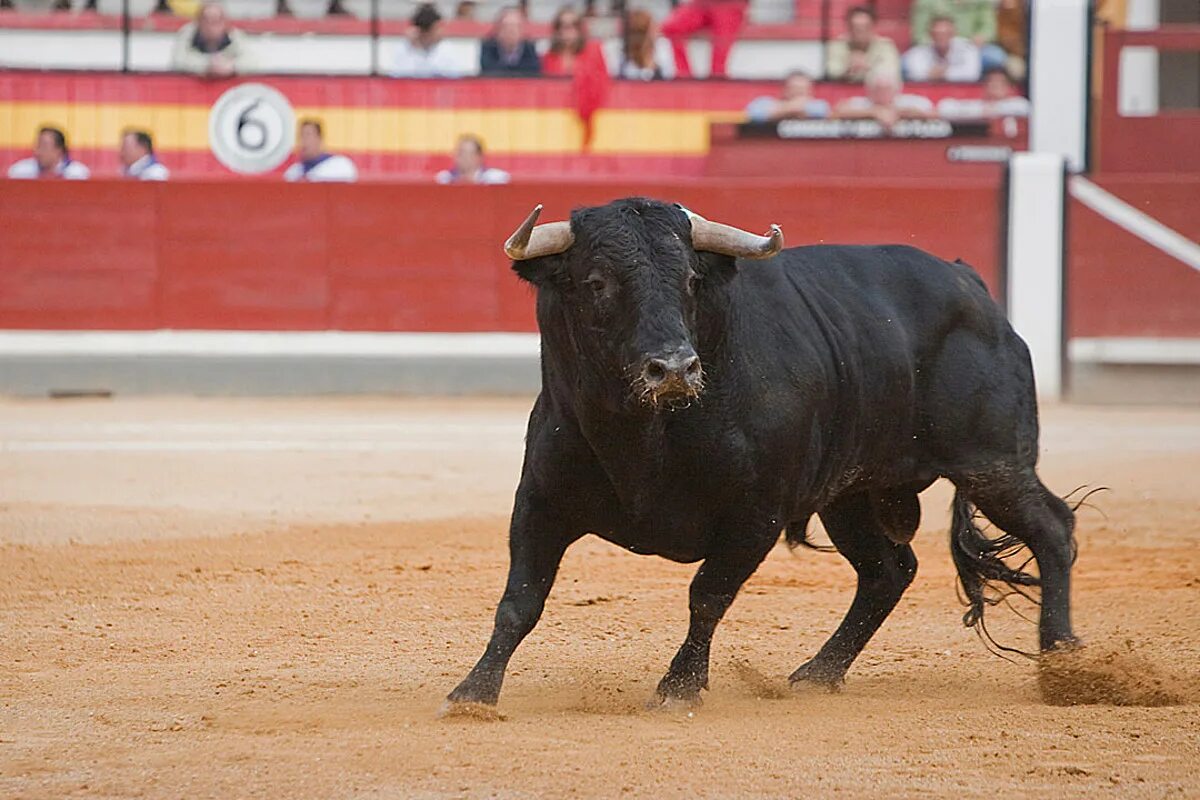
x,y
573,54
570,48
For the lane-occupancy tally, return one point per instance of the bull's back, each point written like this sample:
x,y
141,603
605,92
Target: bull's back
x,y
884,332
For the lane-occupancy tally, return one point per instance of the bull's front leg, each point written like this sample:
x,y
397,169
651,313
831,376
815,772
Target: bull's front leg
x,y
537,542
716,584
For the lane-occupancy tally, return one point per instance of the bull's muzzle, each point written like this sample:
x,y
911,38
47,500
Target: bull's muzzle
x,y
671,379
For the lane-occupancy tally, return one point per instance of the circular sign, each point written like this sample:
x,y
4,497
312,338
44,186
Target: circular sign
x,y
252,128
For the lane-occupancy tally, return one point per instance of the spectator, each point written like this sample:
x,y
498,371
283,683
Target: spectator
x,y
469,166
885,102
639,61
137,157
1012,35
507,51
210,46
795,101
282,9
422,53
722,17
572,53
570,49
975,20
1000,99
465,10
947,57
313,163
860,51
51,159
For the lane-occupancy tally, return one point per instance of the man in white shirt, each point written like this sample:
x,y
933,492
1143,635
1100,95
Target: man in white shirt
x,y
51,159
210,46
469,166
423,54
999,100
313,163
885,102
947,57
138,161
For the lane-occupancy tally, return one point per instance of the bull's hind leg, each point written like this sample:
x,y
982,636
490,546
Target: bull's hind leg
x,y
1017,503
885,569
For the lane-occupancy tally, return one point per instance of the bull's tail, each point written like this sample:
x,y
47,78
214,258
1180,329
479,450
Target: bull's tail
x,y
983,573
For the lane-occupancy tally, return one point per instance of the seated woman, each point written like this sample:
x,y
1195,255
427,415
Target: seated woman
x,y
641,34
570,49
572,53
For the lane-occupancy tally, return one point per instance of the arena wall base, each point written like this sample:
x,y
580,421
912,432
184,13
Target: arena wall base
x,y
266,364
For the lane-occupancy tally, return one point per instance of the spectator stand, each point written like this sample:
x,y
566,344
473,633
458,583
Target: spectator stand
x,y
132,35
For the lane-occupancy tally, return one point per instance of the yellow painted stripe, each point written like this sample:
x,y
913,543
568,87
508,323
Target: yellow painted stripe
x,y
382,130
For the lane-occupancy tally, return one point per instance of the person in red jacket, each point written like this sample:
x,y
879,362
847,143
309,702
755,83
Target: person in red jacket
x,y
723,17
573,54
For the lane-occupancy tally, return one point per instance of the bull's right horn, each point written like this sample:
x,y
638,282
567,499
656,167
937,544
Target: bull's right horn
x,y
531,240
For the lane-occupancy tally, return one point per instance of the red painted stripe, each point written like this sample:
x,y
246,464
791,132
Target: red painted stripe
x,y
91,87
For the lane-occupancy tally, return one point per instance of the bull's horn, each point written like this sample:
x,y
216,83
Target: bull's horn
x,y
713,237
531,240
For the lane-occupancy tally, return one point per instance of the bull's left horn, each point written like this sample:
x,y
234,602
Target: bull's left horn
x,y
713,237
531,240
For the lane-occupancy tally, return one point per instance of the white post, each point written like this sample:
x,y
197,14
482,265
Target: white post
x,y
1058,69
1035,262
1137,89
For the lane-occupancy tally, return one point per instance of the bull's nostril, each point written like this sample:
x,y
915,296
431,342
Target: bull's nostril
x,y
654,372
692,368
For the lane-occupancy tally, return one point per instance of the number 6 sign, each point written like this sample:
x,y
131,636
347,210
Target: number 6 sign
x,y
251,128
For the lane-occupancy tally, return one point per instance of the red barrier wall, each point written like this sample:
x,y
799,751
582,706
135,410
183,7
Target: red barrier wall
x,y
1117,284
108,255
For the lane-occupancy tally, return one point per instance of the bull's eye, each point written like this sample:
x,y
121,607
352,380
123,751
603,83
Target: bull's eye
x,y
597,283
693,283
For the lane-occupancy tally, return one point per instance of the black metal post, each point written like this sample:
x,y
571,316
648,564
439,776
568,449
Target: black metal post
x,y
374,37
125,28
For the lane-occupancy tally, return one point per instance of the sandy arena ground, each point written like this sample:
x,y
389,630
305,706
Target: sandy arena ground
x,y
270,599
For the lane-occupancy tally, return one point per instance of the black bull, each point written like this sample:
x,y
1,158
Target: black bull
x,y
694,404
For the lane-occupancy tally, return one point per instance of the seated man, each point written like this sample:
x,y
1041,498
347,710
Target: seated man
x,y
423,54
795,101
975,20
507,51
947,57
210,46
51,159
860,51
469,166
885,102
313,163
137,157
1000,99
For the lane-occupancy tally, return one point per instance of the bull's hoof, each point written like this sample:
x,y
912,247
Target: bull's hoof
x,y
815,675
680,689
674,703
459,709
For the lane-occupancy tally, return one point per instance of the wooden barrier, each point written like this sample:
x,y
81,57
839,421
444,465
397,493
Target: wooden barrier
x,y
1119,285
395,257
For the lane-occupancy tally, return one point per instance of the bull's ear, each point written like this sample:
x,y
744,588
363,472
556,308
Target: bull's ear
x,y
544,271
716,268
